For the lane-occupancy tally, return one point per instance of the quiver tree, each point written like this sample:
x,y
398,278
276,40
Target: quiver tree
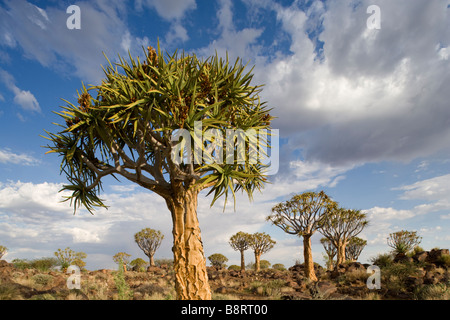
x,y
403,241
69,257
240,242
302,215
354,248
330,250
3,251
149,241
139,124
122,258
218,260
260,243
340,226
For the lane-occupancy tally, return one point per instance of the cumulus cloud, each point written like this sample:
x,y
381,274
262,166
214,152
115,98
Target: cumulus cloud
x,y
7,156
25,99
367,95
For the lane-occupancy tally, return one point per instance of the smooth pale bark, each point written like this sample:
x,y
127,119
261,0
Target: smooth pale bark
x,y
242,261
257,260
307,253
191,277
152,261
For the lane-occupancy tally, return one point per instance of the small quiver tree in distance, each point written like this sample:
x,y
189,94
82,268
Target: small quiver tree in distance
x,y
218,260
330,251
240,242
342,225
149,241
68,257
129,125
138,264
122,258
354,248
403,241
3,251
261,243
302,215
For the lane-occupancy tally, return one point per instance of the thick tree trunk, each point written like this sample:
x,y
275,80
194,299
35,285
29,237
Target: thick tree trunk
x,y
340,253
257,259
152,261
307,253
191,277
242,261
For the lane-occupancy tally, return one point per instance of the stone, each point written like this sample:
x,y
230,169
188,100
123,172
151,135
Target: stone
x,y
353,266
420,256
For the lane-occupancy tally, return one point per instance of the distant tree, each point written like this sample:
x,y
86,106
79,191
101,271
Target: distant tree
x,y
218,260
3,251
264,264
279,266
403,241
122,258
340,226
302,215
240,242
354,248
138,264
260,243
330,250
69,257
149,241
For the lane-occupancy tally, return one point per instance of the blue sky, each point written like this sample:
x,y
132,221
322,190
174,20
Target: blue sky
x,y
363,114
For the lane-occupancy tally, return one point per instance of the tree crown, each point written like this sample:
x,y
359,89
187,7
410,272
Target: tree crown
x,y
126,125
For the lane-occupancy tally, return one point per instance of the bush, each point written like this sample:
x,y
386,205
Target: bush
x,y
21,264
42,279
44,264
264,264
234,267
218,260
279,266
444,260
383,260
439,291
8,292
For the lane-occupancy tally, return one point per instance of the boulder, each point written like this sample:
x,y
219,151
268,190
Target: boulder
x,y
353,266
420,256
402,258
435,255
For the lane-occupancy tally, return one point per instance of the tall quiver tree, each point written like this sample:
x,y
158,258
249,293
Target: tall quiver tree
x,y
342,225
134,125
354,248
240,242
149,241
301,216
261,243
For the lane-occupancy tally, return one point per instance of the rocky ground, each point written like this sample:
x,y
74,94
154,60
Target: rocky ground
x,y
423,276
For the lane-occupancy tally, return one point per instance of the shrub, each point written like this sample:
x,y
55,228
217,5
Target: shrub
x,y
42,279
218,260
44,264
439,291
8,292
279,266
264,264
383,260
123,290
21,264
444,260
139,264
234,267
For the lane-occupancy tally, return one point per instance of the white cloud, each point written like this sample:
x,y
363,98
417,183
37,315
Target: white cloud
x,y
7,156
170,9
24,99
